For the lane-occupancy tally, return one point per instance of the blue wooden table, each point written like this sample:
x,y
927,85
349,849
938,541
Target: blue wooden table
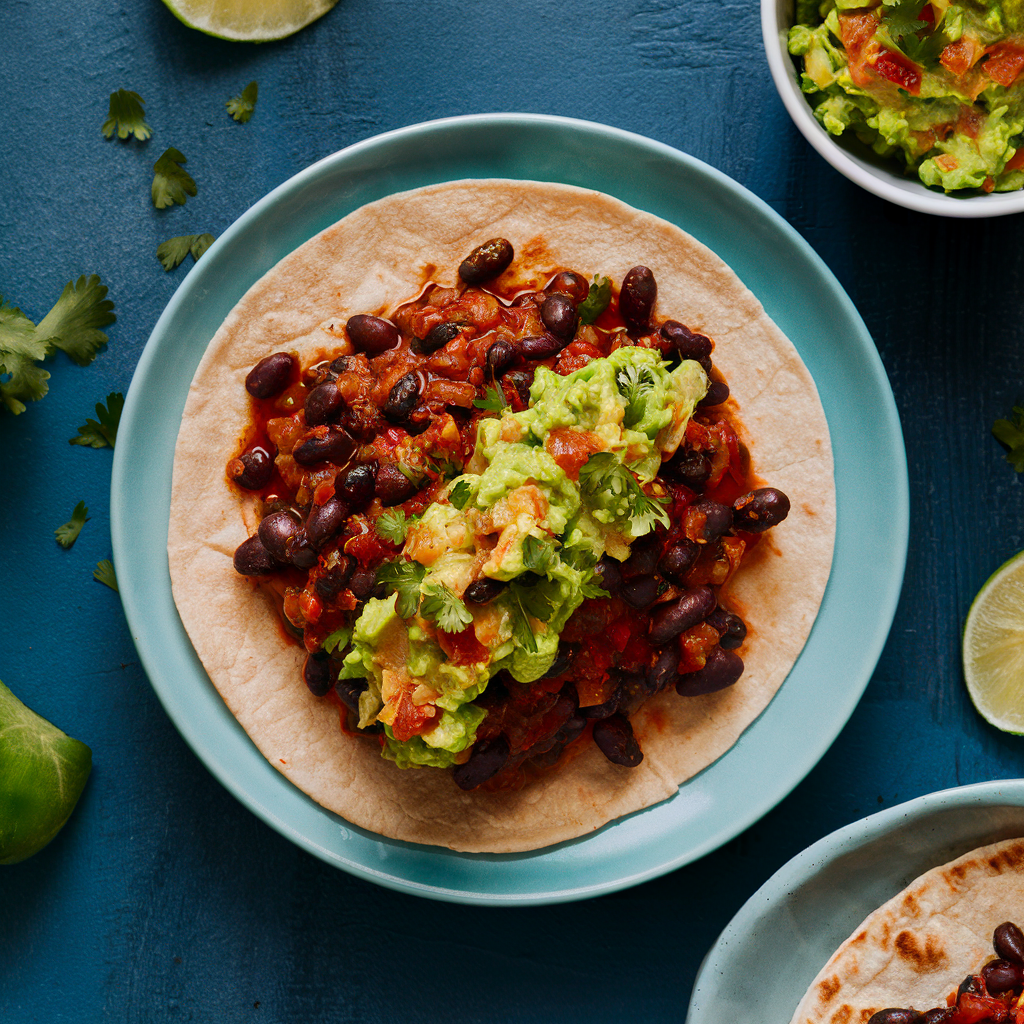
x,y
164,899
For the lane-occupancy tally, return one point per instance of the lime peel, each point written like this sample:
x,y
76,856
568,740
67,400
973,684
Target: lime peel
x,y
993,648
250,21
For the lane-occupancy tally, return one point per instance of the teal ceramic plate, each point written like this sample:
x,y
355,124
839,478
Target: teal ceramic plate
x,y
762,964
799,293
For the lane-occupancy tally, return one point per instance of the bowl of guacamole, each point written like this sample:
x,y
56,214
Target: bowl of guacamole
x,y
921,102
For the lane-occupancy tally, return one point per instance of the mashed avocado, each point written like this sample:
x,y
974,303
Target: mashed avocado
x,y
547,492
935,85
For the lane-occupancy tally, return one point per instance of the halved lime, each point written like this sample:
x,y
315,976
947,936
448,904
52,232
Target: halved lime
x,y
252,21
994,648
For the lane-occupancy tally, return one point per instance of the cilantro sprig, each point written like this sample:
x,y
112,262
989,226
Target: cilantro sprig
x,y
460,494
172,184
174,250
126,116
493,400
902,23
104,573
448,612
1011,434
597,300
404,578
68,533
241,107
393,525
634,384
607,484
102,431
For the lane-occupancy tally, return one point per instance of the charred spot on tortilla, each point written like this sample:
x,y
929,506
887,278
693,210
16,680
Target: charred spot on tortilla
x,y
531,468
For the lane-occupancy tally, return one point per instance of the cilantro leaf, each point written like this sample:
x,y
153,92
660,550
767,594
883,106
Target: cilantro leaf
x,y
126,116
104,573
101,432
404,578
634,383
591,589
20,350
597,300
615,494
533,599
73,325
392,525
171,182
901,23
241,107
493,400
338,640
459,495
522,628
174,250
68,533
1011,434
448,612
537,553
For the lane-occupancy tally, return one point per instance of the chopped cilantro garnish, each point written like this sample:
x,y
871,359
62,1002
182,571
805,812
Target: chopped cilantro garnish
x,y
68,533
522,628
171,182
1011,434
101,432
104,572
537,553
597,300
404,578
460,494
126,116
902,21
493,400
174,250
338,640
72,325
392,525
447,611
606,483
241,107
634,383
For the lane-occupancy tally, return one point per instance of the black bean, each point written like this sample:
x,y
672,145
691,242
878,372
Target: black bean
x,y
392,486
1002,976
253,559
331,445
270,376
541,346
894,1016
486,760
324,521
637,297
356,485
732,628
665,670
760,510
500,357
324,404
678,560
568,282
437,337
252,469
718,392
675,617
716,518
688,344
486,261
640,592
688,466
643,557
317,673
615,738
402,398
939,1015
362,583
522,381
484,590
1008,942
349,691
335,579
276,532
722,669
609,574
301,553
567,652
371,335
559,316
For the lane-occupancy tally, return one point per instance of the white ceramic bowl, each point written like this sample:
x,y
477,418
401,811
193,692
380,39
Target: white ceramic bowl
x,y
853,159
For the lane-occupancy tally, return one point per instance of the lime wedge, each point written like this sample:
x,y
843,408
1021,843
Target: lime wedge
x,y
252,21
994,648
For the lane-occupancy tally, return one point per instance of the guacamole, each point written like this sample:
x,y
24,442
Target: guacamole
x,y
547,492
933,85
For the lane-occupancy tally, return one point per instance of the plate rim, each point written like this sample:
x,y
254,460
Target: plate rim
x,y
120,526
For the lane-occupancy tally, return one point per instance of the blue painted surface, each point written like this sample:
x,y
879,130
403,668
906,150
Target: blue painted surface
x,y
164,898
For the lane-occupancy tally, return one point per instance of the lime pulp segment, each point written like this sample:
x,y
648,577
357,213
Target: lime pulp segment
x,y
254,21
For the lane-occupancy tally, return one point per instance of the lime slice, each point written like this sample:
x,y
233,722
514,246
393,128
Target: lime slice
x,y
253,21
994,648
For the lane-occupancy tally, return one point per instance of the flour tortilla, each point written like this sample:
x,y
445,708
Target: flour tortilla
x,y
369,262
917,948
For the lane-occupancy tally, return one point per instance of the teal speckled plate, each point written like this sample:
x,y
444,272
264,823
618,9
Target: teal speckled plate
x,y
798,292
